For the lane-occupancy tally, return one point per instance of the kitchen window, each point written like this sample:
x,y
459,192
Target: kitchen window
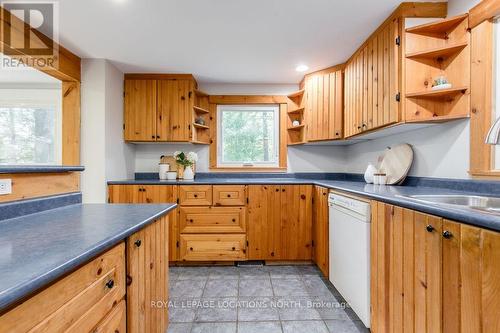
x,y
248,136
30,126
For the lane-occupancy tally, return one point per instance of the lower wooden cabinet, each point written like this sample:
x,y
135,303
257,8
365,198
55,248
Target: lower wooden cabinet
x,y
115,321
147,278
78,302
429,274
320,227
212,220
151,194
280,222
213,247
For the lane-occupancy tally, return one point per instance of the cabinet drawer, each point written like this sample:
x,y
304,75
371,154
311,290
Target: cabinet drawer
x,y
229,195
115,321
77,302
213,247
198,220
195,195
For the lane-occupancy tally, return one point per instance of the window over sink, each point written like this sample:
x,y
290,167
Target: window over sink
x,y
248,135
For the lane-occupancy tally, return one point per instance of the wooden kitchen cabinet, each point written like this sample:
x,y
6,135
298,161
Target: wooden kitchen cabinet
x,y
140,110
429,274
280,222
153,194
163,108
79,302
147,275
372,82
324,104
320,229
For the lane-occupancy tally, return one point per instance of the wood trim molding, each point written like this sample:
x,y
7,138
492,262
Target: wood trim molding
x,y
154,76
248,100
34,185
69,64
328,70
485,10
71,123
481,161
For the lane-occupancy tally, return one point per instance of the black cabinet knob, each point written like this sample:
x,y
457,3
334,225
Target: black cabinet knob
x,y
138,243
234,248
429,228
110,284
447,234
229,195
234,220
191,249
196,195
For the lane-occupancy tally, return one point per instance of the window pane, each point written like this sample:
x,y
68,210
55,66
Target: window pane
x,y
249,136
27,135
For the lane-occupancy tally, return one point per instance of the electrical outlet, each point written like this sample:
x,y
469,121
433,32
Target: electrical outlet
x,y
5,186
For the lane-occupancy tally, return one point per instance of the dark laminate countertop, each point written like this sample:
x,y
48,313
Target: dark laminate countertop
x,y
39,168
37,249
388,194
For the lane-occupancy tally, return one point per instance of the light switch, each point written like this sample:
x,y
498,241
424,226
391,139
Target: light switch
x,y
5,186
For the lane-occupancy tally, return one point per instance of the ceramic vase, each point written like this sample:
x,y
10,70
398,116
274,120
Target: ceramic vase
x,y
370,171
188,173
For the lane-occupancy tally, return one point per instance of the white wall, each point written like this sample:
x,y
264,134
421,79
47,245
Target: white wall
x,y
103,151
458,7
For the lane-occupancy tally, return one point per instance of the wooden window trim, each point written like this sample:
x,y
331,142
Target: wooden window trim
x,y
69,72
482,154
243,100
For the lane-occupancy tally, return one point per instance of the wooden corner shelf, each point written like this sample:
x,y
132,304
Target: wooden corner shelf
x,y
438,119
200,93
439,29
296,111
296,143
439,52
200,126
197,109
199,142
296,128
438,93
296,94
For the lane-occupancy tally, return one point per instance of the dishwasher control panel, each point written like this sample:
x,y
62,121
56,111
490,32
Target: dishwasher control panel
x,y
357,206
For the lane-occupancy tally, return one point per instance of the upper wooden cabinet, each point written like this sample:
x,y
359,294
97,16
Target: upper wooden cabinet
x,y
324,105
165,109
372,82
140,110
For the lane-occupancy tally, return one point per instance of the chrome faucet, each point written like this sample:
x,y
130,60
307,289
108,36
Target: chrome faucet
x,y
493,137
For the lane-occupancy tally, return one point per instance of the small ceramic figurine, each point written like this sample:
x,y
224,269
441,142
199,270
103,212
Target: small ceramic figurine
x,y
441,83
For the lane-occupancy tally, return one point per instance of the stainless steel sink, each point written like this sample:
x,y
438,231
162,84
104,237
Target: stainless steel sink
x,y
486,204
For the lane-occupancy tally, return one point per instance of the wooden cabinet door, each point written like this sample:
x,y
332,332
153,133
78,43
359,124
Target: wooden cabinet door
x,y
229,195
147,269
296,222
324,106
140,110
180,110
264,222
151,194
320,229
372,82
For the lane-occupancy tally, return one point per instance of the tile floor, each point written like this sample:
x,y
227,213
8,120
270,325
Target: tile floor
x,y
253,299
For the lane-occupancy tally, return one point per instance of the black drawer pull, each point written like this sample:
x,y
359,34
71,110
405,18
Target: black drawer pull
x,y
429,228
190,249
110,284
447,234
196,195
234,220
138,243
229,195
234,248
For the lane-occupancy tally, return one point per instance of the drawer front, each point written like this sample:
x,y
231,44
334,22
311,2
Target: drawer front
x,y
77,302
115,321
199,220
229,195
195,195
213,247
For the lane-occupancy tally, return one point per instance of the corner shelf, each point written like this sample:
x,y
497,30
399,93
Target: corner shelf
x,y
296,94
197,109
297,143
200,126
438,119
438,93
199,142
296,111
439,52
296,128
439,29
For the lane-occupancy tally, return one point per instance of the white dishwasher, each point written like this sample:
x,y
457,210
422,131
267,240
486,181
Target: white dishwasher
x,y
349,224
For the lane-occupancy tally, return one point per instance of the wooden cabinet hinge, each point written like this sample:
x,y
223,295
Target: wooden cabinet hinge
x,y
312,243
398,97
247,243
248,200
123,126
177,200
177,244
398,40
